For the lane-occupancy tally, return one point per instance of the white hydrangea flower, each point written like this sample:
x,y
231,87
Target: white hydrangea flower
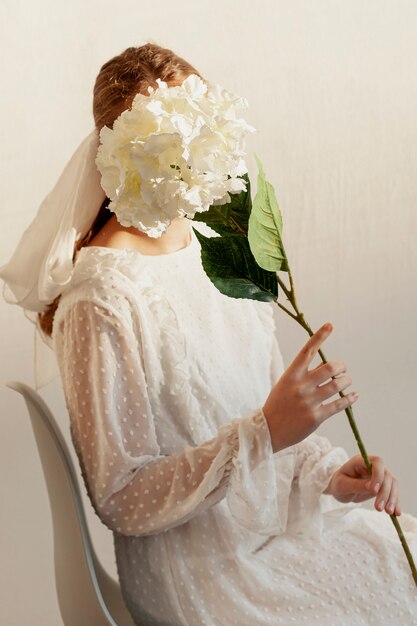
x,y
176,152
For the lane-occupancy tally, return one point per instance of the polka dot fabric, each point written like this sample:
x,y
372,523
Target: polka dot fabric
x,y
164,379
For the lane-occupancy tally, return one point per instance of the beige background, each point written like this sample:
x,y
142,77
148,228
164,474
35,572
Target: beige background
x,y
332,91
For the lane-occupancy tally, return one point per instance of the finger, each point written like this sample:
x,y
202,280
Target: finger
x,y
383,493
329,389
324,371
358,468
377,472
392,499
310,349
331,408
357,486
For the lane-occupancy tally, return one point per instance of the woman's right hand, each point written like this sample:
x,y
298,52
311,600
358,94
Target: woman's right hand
x,y
294,409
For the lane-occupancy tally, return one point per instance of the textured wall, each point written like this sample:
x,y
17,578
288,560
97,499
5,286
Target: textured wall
x,y
332,92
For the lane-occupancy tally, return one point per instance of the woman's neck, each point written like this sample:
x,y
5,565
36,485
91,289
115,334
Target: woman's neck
x,y
114,235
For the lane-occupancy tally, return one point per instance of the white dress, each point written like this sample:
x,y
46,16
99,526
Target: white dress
x,y
164,379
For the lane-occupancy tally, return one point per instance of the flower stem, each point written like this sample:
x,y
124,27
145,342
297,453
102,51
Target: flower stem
x,y
299,317
287,311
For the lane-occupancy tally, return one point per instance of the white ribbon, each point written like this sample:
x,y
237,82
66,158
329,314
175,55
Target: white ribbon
x,y
41,266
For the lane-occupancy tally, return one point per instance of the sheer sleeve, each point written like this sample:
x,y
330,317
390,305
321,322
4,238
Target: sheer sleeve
x,y
134,489
316,462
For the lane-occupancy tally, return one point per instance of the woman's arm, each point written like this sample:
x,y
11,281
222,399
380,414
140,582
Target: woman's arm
x,y
134,489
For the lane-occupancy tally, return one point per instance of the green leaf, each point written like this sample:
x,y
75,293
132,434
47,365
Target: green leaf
x,y
231,267
217,217
265,227
240,207
231,217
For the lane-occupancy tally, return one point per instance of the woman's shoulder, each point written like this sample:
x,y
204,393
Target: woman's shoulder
x,y
103,277
100,267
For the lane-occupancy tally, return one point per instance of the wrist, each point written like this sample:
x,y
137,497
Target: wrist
x,y
330,484
274,444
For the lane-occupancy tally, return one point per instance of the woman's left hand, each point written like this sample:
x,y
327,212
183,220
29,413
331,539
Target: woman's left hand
x,y
351,483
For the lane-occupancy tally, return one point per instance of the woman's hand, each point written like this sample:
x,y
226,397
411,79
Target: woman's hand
x,y
294,407
351,483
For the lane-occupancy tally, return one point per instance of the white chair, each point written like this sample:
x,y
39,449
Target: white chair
x,y
87,595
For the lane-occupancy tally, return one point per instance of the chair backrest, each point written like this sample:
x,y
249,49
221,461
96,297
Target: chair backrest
x,y
87,595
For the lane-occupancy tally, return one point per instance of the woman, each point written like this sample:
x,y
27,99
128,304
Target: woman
x,y
196,447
